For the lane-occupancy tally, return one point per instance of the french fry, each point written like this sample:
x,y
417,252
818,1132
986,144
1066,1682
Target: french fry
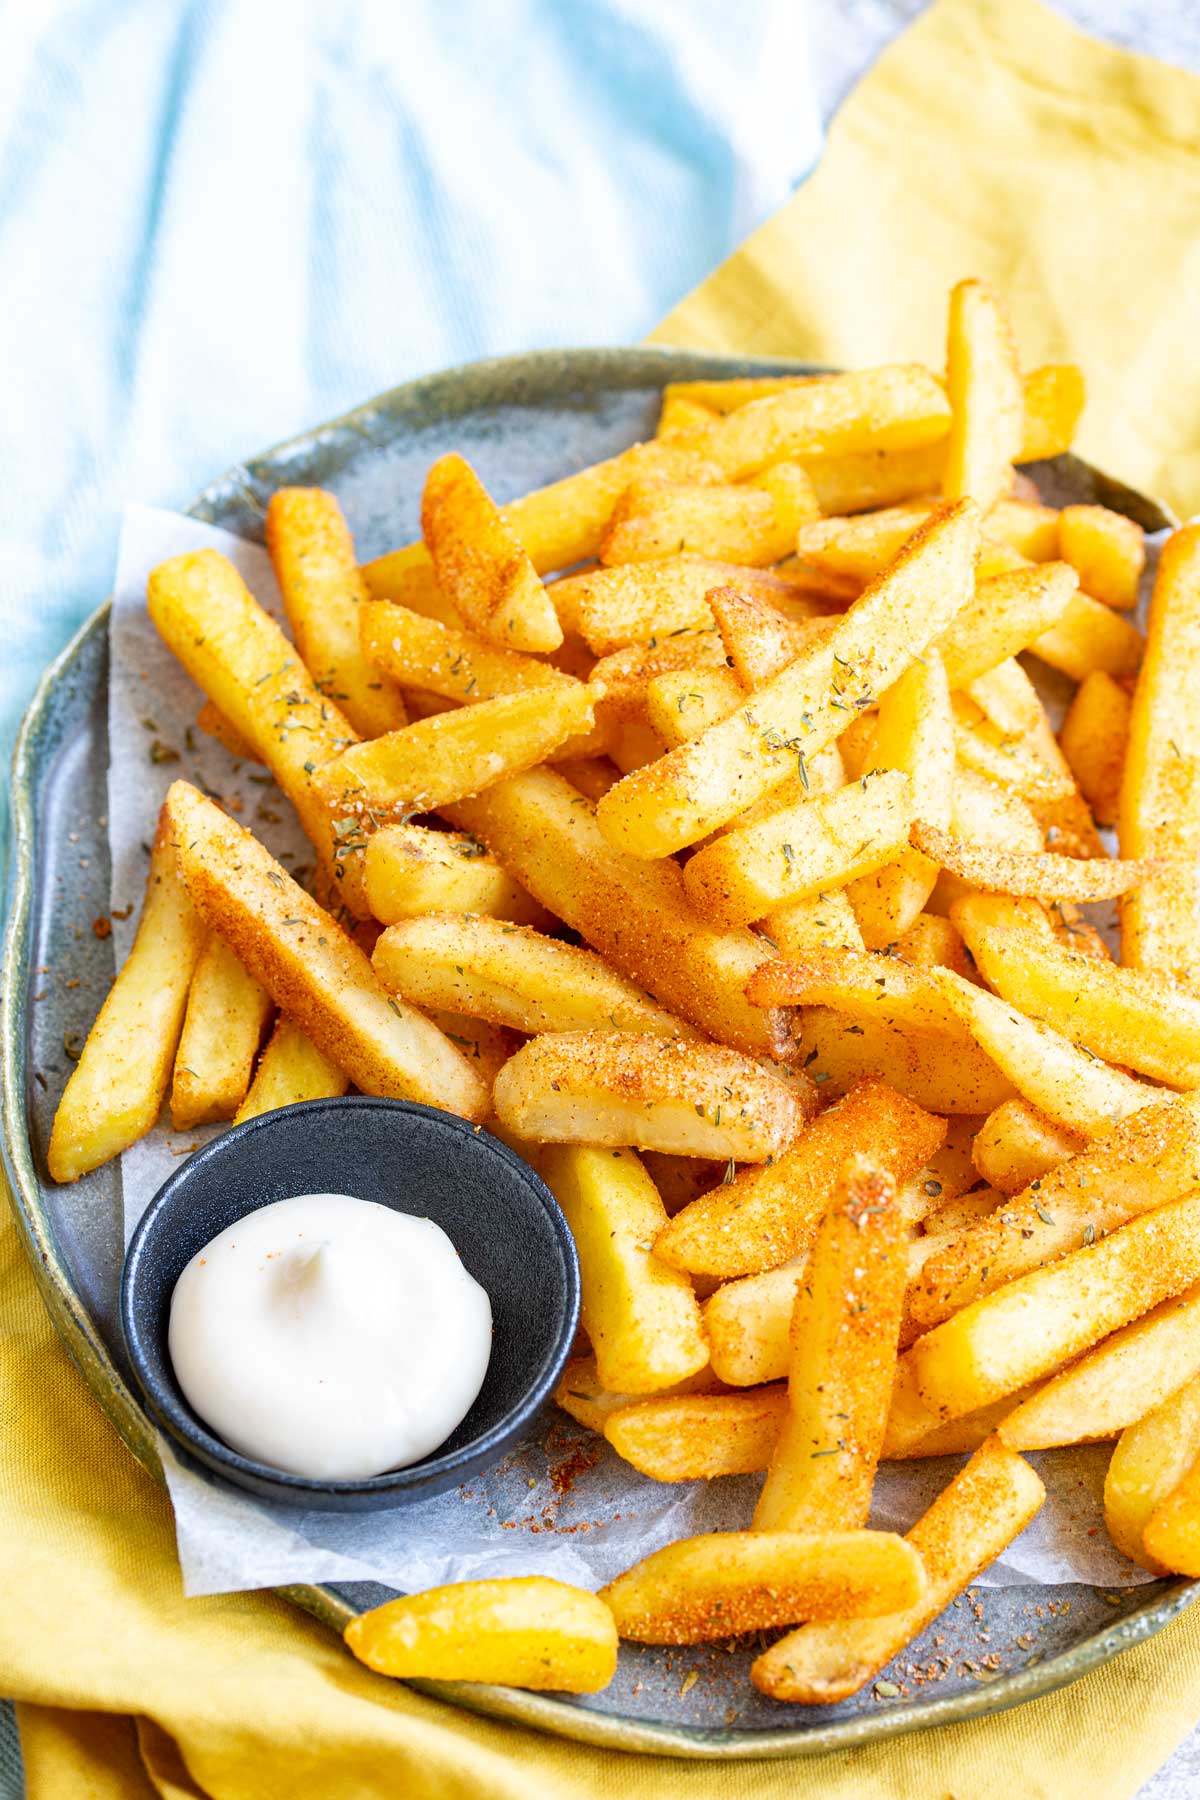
x,y
1014,764
824,919
1034,1324
913,1430
971,1522
941,1073
1054,400
680,414
212,720
617,1087
858,481
1007,614
1094,740
205,614
1030,528
765,1216
862,546
699,1437
323,594
634,603
960,1211
1007,699
626,673
411,870
728,1582
290,1069
754,524
582,1394
524,1631
117,1086
1129,1017
748,1324
1017,1145
758,639
932,943
1150,1460
845,1322
860,984
591,776
1159,810
1088,636
636,914
1114,1385
227,1014
684,702
458,665
455,754
315,973
1107,549
480,563
512,975
642,1318
706,784
983,385
753,869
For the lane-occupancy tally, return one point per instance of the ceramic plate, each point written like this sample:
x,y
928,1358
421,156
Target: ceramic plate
x,y
522,421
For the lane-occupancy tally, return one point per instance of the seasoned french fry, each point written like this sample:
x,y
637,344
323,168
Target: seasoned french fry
x,y
591,776
1007,699
983,384
1054,399
480,563
616,1087
1117,1383
844,1328
411,870
626,673
524,1631
732,1581
227,1014
706,784
985,1507
861,546
932,943
765,1216
1036,1323
861,984
1017,1145
512,975
680,414
755,524
458,665
684,702
698,1437
117,1086
455,754
637,602
1107,549
941,1073
212,720
1160,797
748,1324
1028,527
1094,740
758,639
582,1394
315,973
1090,635
1007,614
1014,764
823,919
1151,1459
290,1069
634,913
643,1318
323,594
913,1430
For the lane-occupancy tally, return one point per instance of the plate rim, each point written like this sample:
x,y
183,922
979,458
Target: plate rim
x,y
608,367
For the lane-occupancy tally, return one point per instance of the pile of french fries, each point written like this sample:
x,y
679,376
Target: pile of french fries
x,y
695,825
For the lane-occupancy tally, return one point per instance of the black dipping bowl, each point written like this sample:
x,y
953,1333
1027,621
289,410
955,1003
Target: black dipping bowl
x,y
503,1221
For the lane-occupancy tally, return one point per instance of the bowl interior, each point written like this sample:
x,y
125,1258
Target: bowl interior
x,y
500,1216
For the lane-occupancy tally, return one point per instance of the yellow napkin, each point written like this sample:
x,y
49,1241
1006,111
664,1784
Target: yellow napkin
x,y
992,140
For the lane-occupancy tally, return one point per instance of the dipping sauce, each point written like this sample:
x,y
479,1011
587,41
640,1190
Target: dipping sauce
x,y
330,1337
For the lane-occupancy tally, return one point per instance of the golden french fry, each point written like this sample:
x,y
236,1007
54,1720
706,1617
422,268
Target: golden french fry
x,y
617,1087
227,1014
983,384
1017,1145
748,1324
582,1394
411,870
732,1581
943,1074
863,545
440,659
914,1430
1107,549
290,1069
1007,614
1014,764
1151,1459
512,975
1028,527
845,1323
1007,699
323,594
765,1216
1159,811
680,414
591,776
684,702
314,972
212,720
117,1086
1054,399
758,639
860,984
959,1211
480,563
707,783
933,943
523,1631
643,1318
755,524
824,919
985,1507
698,1437
1090,635
636,603
625,674
1094,740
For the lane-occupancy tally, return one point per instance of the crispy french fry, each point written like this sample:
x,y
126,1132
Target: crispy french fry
x,y
1017,1145
932,943
643,1318
227,1014
1152,1458
755,524
1007,699
845,1322
680,414
117,1086
698,1437
1117,1383
732,1581
524,1631
858,481
480,562
512,975
748,1324
985,1507
1034,1324
1014,764
1007,614
1094,740
591,776
941,1073
1090,635
323,594
315,973
290,1069
1054,400
582,1394
617,1087
1028,527
1159,811
913,1430
863,545
626,673
706,784
212,720
765,1216
455,754
758,639
684,702
636,603
1107,549
983,384
411,870
823,919
860,984
458,665
634,913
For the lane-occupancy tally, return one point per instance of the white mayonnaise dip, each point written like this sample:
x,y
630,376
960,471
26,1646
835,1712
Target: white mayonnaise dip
x,y
330,1337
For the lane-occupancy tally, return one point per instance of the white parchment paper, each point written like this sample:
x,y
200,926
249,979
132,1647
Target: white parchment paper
x,y
564,1503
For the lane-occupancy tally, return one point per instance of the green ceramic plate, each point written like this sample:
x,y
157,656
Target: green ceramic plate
x,y
522,421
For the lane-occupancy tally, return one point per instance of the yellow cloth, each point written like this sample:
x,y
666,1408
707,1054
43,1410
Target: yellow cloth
x,y
993,140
